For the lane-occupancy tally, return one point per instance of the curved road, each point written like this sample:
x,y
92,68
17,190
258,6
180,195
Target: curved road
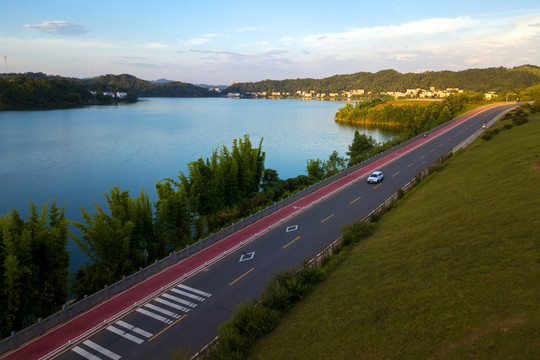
x,y
186,315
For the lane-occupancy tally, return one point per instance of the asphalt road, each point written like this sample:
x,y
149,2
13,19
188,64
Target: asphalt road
x,y
187,316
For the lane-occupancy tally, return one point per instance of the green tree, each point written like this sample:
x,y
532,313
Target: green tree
x,y
34,262
334,164
360,148
114,241
315,169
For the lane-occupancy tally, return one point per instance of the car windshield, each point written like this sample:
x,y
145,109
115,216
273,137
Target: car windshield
x,y
374,174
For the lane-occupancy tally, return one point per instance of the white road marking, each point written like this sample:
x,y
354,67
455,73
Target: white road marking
x,y
125,335
178,300
200,292
101,349
291,228
163,311
85,353
246,256
134,329
188,295
155,316
173,305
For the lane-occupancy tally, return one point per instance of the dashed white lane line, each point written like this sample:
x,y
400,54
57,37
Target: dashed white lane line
x,y
125,335
85,354
196,291
155,316
102,350
198,298
135,329
179,300
162,310
173,305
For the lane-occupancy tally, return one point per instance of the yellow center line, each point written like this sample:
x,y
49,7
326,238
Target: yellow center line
x,y
298,237
352,202
411,164
377,186
250,270
159,333
395,174
423,156
441,145
433,150
327,218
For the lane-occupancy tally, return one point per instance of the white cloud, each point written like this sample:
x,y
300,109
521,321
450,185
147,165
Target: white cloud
x,y
58,28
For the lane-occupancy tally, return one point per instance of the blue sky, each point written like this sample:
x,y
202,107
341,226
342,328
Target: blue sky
x,y
218,42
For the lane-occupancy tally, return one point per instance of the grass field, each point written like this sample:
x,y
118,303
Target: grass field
x,y
452,272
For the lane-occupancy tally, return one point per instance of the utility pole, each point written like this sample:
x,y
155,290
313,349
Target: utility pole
x,y
5,60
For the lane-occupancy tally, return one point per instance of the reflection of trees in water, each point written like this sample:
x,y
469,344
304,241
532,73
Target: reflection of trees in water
x,y
381,133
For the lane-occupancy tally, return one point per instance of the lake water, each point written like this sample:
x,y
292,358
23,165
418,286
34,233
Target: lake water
x,y
77,155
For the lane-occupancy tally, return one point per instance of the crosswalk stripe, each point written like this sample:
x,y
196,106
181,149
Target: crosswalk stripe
x,y
173,305
163,311
85,353
188,295
125,335
155,316
101,349
196,291
134,329
181,301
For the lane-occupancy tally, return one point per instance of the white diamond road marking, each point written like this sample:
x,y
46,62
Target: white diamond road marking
x,y
292,228
199,298
134,329
125,335
85,353
102,350
200,292
247,256
178,300
163,311
173,305
155,316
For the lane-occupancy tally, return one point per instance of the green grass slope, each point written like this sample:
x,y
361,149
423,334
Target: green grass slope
x,y
452,272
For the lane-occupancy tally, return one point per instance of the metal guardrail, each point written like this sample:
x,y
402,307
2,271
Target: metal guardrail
x,y
18,338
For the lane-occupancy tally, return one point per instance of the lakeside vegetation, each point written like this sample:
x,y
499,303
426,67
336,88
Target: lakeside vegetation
x,y
450,271
38,91
42,92
416,117
218,191
499,80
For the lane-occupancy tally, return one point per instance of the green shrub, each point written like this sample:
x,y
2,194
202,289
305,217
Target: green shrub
x,y
508,126
487,135
496,131
353,233
250,322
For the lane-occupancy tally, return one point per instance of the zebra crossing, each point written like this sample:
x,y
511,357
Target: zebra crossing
x,y
167,308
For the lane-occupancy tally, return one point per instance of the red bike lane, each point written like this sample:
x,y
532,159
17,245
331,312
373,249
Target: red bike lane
x,y
96,317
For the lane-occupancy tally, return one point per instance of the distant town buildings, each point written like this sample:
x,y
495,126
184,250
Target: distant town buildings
x,y
417,93
114,94
432,93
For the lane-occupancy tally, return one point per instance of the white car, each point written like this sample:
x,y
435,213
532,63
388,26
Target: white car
x,y
375,177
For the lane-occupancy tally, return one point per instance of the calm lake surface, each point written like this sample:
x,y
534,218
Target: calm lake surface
x,y
77,155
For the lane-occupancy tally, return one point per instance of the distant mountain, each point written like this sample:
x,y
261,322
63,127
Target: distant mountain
x,y
499,79
161,81
220,87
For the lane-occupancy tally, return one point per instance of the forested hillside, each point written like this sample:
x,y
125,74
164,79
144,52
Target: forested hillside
x,y
498,79
151,89
37,91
